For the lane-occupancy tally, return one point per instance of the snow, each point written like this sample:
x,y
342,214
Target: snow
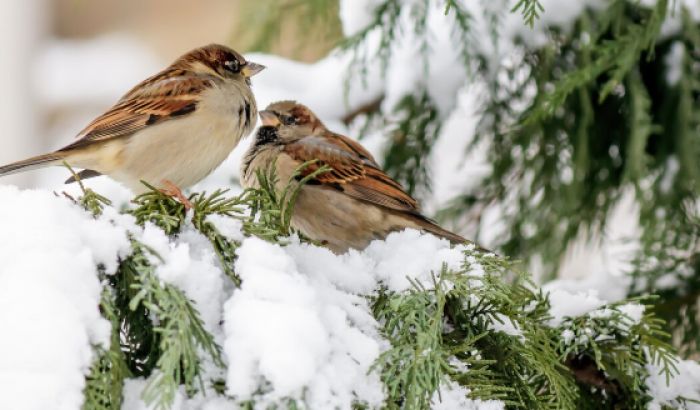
x,y
686,384
633,311
299,327
453,396
356,14
49,297
134,387
229,227
565,304
568,336
191,265
316,341
505,325
411,254
674,63
320,338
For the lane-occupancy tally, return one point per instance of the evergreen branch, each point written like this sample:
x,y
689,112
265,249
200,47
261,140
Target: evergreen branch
x,y
90,200
641,129
413,137
462,31
443,331
104,384
530,9
592,129
271,211
162,210
616,57
179,328
618,349
521,372
416,365
216,204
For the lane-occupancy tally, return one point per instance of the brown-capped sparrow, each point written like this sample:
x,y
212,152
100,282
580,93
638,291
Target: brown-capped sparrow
x,y
171,130
347,207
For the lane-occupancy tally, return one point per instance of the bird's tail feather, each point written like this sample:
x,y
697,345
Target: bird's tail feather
x,y
436,230
39,161
443,233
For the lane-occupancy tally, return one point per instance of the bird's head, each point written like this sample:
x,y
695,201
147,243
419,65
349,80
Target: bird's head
x,y
291,116
221,61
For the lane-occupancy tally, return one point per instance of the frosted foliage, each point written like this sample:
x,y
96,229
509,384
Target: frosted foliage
x,y
565,304
133,401
311,335
314,336
49,312
686,385
298,328
191,265
453,396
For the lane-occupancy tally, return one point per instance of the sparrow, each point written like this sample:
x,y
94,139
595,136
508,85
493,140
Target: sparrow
x,y
347,207
171,130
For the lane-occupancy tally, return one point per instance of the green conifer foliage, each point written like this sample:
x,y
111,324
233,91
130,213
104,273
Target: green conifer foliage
x,y
453,331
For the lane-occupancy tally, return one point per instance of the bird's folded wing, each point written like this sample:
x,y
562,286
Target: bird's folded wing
x,y
155,100
350,173
354,146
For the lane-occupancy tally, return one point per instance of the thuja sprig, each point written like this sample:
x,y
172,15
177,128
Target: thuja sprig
x,y
180,331
615,57
528,363
530,9
218,204
169,214
271,211
417,364
414,135
445,331
618,348
104,384
160,209
91,201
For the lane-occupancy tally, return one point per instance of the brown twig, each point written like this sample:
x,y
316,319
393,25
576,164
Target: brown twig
x,y
367,108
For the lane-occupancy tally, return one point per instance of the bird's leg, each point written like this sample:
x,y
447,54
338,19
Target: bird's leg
x,y
174,191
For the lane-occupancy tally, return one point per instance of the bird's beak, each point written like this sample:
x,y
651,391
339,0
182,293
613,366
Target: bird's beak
x,y
269,118
251,68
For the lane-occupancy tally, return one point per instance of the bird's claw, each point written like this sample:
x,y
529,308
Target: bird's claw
x,y
174,191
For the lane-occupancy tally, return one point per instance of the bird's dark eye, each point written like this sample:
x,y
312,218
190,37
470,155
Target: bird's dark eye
x,y
288,119
232,66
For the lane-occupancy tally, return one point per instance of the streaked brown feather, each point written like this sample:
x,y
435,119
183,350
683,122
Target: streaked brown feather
x,y
378,188
346,167
351,145
162,97
350,173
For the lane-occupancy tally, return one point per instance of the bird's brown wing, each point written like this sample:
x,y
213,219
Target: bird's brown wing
x,y
157,99
348,143
350,173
